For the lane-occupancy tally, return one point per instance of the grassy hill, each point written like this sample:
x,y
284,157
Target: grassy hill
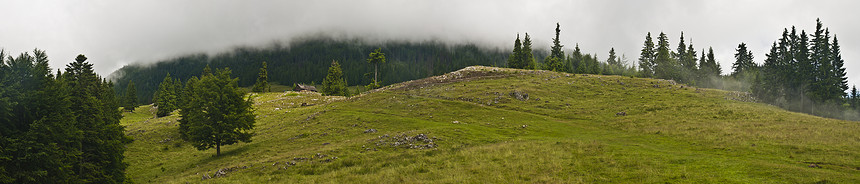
x,y
493,125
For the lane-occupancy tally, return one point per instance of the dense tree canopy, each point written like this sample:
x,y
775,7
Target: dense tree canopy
x,y
61,128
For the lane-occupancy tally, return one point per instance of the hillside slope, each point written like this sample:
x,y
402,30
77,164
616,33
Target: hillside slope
x,y
493,125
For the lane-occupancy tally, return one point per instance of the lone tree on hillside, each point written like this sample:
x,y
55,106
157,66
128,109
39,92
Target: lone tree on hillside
x,y
216,112
334,84
262,84
376,57
130,101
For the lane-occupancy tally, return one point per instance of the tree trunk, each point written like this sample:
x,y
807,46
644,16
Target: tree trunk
x,y
375,73
218,149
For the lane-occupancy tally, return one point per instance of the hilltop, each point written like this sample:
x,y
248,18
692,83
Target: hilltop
x,y
498,125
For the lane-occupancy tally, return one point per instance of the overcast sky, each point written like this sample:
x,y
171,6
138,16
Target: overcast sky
x,y
115,33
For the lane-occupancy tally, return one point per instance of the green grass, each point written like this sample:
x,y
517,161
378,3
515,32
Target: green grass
x,y
572,135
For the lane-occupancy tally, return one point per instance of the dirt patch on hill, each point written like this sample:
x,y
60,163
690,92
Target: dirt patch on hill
x,y
465,74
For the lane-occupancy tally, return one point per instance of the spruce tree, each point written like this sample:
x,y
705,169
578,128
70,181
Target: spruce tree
x,y
262,84
664,64
743,61
165,98
528,58
838,79
514,59
130,97
646,57
576,60
102,139
555,61
334,84
216,113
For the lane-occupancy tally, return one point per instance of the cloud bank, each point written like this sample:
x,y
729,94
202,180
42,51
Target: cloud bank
x,y
116,33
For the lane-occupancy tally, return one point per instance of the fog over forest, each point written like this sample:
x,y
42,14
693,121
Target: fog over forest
x,y
116,33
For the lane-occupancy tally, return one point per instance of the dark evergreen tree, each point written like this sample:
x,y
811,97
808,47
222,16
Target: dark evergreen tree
x,y
102,139
262,84
334,84
555,61
576,60
744,65
514,59
527,57
216,113
647,57
130,98
165,98
665,66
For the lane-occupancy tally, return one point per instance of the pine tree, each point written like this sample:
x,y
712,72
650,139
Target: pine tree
x,y
576,60
217,113
647,56
514,59
612,59
743,61
377,57
102,139
528,58
840,82
130,97
555,61
334,84
262,84
165,98
665,67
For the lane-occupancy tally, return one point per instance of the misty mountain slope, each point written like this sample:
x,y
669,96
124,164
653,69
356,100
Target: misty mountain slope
x,y
493,125
307,60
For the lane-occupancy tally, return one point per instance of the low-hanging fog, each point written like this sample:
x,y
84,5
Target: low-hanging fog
x,y
116,33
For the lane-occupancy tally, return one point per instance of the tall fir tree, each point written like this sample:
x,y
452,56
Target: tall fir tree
x,y
528,58
555,61
165,98
262,84
647,56
333,84
102,140
514,59
743,62
130,97
665,67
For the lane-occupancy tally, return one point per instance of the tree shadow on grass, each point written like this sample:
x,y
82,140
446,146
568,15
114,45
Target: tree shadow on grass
x,y
225,153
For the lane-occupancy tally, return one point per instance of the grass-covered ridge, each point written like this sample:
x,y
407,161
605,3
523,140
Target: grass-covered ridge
x,y
569,129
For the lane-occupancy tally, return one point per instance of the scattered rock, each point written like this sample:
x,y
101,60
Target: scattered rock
x,y
456,122
520,95
370,131
622,113
420,141
814,166
524,126
325,144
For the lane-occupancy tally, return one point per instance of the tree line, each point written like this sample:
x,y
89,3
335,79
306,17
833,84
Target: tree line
x,y
802,72
58,127
306,61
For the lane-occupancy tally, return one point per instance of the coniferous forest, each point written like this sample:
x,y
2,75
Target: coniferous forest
x,y
307,61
